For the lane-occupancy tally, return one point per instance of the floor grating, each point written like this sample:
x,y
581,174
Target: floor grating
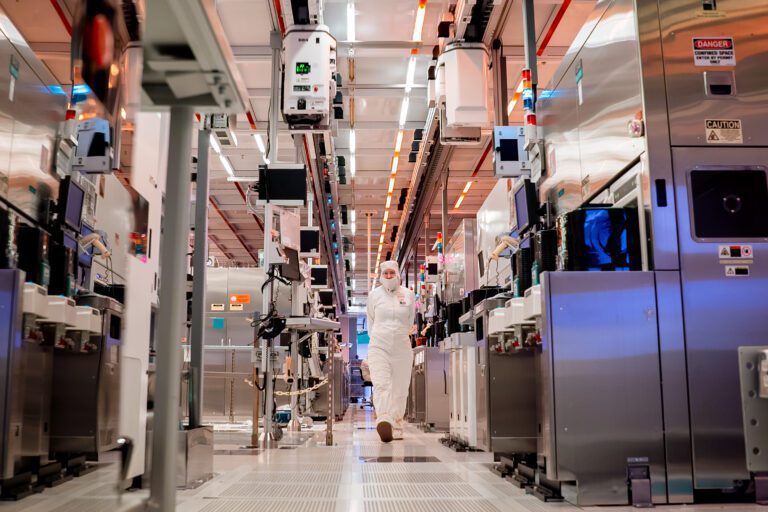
x,y
292,476
430,506
270,506
268,490
417,458
405,491
411,478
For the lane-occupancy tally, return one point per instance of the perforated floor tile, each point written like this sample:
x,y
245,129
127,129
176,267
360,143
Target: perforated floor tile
x,y
270,506
292,490
411,478
401,491
286,476
430,506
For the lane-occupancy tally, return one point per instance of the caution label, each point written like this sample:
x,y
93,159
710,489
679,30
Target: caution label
x,y
735,252
714,51
724,131
217,307
236,307
240,298
736,271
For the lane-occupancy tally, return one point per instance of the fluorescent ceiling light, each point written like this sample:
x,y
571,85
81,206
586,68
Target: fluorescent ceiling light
x,y
419,25
409,75
350,21
458,203
391,187
515,98
399,141
352,141
466,187
352,166
383,228
354,216
215,145
389,201
395,161
260,143
404,111
386,215
227,165
234,138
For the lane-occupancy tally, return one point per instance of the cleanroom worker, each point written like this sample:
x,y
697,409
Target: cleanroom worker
x,y
391,310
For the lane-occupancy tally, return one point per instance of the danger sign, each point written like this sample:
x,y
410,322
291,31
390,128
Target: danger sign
x,y
723,131
714,51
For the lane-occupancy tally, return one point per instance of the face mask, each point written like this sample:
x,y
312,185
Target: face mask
x,y
390,284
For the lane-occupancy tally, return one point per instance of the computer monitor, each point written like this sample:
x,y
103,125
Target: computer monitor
x,y
283,185
526,206
310,242
291,270
70,206
319,276
325,297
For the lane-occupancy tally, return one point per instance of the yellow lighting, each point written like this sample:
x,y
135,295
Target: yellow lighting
x,y
515,98
459,201
381,239
419,25
399,141
466,187
386,215
384,228
395,161
391,186
389,201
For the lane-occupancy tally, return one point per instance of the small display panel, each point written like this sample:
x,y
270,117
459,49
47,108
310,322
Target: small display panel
x,y
71,198
526,207
309,241
319,276
729,203
508,150
303,68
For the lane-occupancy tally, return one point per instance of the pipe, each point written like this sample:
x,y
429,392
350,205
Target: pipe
x,y
199,270
529,41
172,312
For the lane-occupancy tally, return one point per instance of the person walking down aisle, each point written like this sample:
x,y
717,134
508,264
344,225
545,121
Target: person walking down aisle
x,y
391,310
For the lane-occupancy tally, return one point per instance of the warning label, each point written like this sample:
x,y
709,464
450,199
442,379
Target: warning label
x,y
735,252
736,271
714,51
724,131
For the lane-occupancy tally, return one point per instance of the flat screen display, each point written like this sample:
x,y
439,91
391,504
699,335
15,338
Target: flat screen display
x,y
303,68
310,241
326,297
71,204
281,185
319,275
291,270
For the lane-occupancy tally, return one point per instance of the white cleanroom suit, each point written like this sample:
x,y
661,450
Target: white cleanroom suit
x,y
391,311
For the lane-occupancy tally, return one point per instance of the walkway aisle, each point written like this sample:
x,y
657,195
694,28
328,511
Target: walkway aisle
x,y
358,474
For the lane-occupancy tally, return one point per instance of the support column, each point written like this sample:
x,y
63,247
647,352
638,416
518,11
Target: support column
x,y
199,266
172,311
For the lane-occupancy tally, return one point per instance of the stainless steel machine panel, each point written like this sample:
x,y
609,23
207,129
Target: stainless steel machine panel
x,y
461,267
690,101
559,118
242,392
609,97
31,181
11,370
216,384
605,382
713,333
585,117
85,408
436,397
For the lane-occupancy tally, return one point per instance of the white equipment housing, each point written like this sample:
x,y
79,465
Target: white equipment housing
x,y
463,16
465,85
222,126
510,159
94,153
309,54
